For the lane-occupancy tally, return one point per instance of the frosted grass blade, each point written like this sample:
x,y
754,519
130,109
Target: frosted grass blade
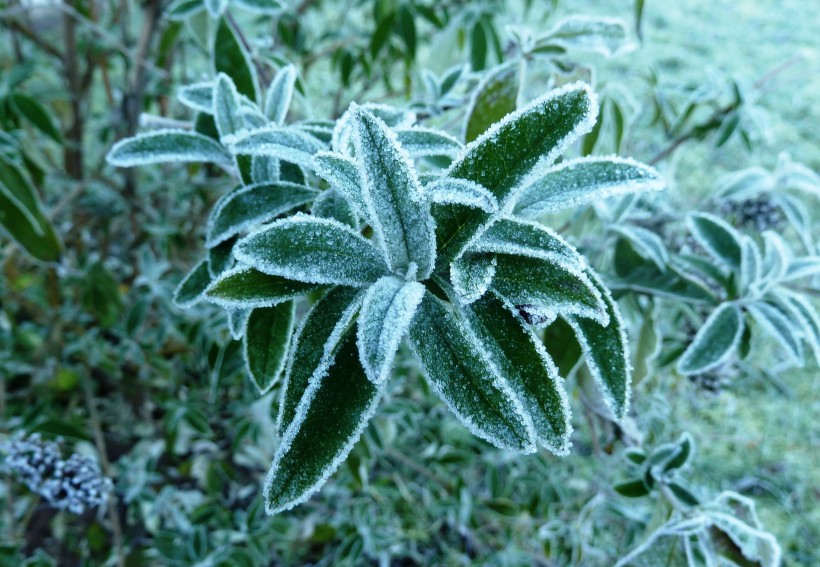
x,y
312,250
389,306
459,371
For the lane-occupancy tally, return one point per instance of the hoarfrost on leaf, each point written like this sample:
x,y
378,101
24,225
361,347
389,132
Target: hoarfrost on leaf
x,y
288,144
427,142
244,287
280,94
471,276
342,174
198,96
266,339
167,146
715,341
451,190
226,107
523,238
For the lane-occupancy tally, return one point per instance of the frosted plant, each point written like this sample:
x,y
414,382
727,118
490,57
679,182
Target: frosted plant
x,y
74,484
446,267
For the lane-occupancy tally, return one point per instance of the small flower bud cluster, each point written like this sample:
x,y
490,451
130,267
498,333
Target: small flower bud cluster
x,y
759,212
74,484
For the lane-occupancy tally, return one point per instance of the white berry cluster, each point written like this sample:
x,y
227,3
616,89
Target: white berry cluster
x,y
74,484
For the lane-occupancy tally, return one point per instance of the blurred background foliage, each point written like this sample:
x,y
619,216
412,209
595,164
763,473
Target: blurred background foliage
x,y
720,97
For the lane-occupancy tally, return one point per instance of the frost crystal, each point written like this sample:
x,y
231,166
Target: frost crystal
x,y
461,192
75,484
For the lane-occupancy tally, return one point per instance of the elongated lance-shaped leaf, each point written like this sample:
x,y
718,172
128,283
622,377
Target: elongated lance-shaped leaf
x,y
541,289
606,352
646,243
226,107
343,175
221,258
198,96
606,36
511,236
775,258
252,205
389,306
522,359
314,345
280,94
231,58
237,321
245,287
191,289
331,205
779,327
459,370
399,215
329,420
36,114
583,181
751,264
715,341
454,191
265,346
811,319
288,144
167,146
426,142
312,250
471,276
718,238
511,153
394,117
494,98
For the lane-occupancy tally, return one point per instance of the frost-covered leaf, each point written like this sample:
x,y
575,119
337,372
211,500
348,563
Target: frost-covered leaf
x,y
389,306
583,181
314,344
330,418
215,7
394,117
230,57
288,144
280,94
265,169
805,267
454,191
811,320
226,107
718,238
421,142
397,211
606,36
606,351
331,205
775,323
237,320
775,258
523,238
493,98
521,358
167,146
459,370
714,342
471,276
312,250
220,257
646,243
190,290
198,96
343,175
252,205
267,336
322,130
180,10
510,154
751,264
244,288
540,289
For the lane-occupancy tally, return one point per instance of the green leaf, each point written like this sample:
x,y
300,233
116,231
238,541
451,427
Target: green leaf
x,y
541,289
167,146
190,290
683,494
269,7
718,238
37,114
330,418
523,238
399,215
280,94
314,345
562,346
312,250
226,107
198,96
478,47
579,33
683,454
648,244
811,320
714,342
494,98
521,358
512,151
245,287
449,190
343,175
421,142
779,327
254,204
284,143
632,488
583,181
331,205
389,306
231,58
471,276
267,336
460,373
606,352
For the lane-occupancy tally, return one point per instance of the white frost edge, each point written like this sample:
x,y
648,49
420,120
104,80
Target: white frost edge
x,y
182,96
264,389
451,149
441,190
389,338
241,304
329,175
705,242
764,315
653,183
193,301
237,321
178,157
281,86
300,275
465,296
681,365
479,89
616,318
